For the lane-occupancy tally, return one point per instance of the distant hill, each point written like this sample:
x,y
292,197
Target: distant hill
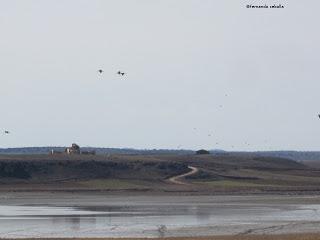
x,y
231,173
298,156
99,151
293,155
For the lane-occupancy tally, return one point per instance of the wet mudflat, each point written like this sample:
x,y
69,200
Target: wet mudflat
x,y
124,215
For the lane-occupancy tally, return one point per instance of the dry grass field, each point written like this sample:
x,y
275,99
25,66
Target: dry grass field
x,y
227,173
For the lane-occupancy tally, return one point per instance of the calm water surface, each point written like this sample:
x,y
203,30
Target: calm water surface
x,y
149,219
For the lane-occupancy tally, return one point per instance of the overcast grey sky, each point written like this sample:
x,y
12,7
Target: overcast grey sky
x,y
244,76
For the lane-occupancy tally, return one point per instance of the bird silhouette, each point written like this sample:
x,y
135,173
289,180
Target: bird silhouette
x,y
319,115
6,132
100,71
121,73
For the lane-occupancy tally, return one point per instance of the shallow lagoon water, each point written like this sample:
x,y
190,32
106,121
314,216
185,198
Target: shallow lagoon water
x,y
154,217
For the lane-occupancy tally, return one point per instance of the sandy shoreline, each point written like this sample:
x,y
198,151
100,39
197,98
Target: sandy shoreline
x,y
84,198
306,236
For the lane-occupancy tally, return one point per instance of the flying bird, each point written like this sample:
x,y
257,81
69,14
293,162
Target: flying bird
x,y
6,132
121,73
100,71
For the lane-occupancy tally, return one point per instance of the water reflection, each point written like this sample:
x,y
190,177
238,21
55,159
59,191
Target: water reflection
x,y
140,220
74,222
202,213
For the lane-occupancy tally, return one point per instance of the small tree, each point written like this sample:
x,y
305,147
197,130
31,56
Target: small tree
x,y
202,151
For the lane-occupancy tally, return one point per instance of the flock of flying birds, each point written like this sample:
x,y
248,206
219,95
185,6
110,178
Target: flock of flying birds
x,y
119,72
101,71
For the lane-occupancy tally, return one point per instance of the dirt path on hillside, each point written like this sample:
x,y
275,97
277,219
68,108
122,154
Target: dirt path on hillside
x,y
177,179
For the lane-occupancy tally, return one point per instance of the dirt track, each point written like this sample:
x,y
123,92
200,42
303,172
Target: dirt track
x,y
177,179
